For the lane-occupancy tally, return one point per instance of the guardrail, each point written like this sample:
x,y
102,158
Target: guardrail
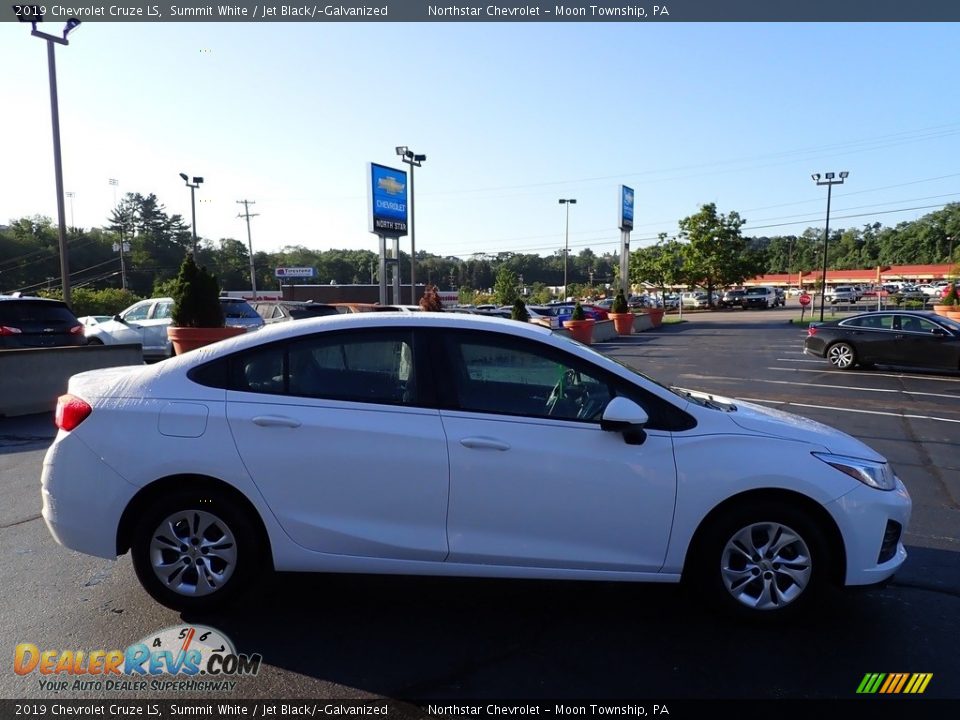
x,y
31,379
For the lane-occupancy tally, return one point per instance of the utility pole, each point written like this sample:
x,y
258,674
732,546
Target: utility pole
x,y
246,214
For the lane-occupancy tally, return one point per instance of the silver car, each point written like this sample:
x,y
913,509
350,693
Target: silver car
x,y
145,323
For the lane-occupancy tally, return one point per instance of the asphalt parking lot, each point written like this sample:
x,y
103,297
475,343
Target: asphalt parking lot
x,y
356,636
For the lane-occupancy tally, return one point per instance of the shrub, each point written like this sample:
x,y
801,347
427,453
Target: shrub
x,y
430,302
619,303
519,311
578,313
196,297
951,298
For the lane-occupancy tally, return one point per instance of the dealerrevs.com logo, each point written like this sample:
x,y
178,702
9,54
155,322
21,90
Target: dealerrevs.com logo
x,y
178,658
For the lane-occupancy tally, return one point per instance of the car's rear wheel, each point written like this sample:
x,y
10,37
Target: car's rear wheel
x,y
842,355
762,560
195,550
94,341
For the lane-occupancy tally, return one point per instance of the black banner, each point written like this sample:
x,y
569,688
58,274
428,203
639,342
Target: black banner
x,y
502,11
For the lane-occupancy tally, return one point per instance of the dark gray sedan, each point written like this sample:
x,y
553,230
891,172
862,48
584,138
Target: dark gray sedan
x,y
911,339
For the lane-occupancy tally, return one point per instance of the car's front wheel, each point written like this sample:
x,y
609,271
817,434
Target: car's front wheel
x,y
842,356
763,560
195,550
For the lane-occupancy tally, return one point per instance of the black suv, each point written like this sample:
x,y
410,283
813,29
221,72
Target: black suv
x,y
732,298
273,311
30,322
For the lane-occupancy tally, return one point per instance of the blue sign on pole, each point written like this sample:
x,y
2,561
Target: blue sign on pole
x,y
387,192
626,208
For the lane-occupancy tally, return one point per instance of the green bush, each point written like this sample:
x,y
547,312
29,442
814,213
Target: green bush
x,y
84,301
519,311
619,303
578,313
196,297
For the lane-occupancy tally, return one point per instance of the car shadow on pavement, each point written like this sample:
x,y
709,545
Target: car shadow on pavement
x,y
438,638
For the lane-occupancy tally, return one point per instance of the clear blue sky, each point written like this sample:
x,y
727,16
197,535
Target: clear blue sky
x,y
511,117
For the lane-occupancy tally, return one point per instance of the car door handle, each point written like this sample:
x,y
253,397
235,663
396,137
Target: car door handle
x,y
898,336
484,443
276,421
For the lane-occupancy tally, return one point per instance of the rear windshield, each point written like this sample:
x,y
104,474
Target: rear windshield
x,y
238,310
312,311
757,291
14,312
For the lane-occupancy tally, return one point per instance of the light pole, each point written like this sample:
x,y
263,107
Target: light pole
x,y
71,25
71,195
566,242
193,207
413,160
123,247
829,181
247,214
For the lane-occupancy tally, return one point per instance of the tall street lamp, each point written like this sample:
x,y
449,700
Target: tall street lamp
x,y
413,160
829,181
566,242
193,206
71,25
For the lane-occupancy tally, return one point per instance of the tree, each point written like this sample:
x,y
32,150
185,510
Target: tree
x,y
717,255
505,287
661,264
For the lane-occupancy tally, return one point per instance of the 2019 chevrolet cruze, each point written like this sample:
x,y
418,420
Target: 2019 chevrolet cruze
x,y
449,444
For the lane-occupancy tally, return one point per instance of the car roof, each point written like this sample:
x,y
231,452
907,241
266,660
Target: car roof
x,y
31,298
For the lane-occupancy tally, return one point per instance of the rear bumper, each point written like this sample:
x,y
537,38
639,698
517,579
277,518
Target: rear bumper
x,y
83,497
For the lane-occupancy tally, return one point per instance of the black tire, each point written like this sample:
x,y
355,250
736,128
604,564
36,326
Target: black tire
x,y
94,341
201,518
843,356
788,584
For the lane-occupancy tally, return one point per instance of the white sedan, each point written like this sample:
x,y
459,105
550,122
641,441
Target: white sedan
x,y
448,444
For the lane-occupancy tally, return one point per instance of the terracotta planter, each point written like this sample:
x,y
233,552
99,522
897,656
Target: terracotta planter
x,y
656,316
954,313
623,322
185,339
942,309
581,330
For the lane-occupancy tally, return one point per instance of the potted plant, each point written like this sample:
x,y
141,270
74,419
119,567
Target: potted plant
x,y
621,315
197,318
579,325
519,311
948,303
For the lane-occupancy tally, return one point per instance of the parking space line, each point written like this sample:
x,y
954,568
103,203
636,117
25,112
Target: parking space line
x,y
872,374
850,410
819,362
877,412
831,387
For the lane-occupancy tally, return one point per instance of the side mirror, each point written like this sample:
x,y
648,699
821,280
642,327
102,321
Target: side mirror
x,y
939,332
625,416
118,318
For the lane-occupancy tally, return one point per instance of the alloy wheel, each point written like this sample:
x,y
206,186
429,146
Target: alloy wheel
x,y
841,356
193,553
766,566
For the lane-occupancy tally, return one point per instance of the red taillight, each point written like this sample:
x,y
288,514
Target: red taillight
x,y
811,330
71,411
76,330
4,330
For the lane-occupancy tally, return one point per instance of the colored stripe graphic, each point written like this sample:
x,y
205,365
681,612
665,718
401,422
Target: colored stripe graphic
x,y
894,683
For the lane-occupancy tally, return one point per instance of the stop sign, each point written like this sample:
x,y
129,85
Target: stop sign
x,y
804,299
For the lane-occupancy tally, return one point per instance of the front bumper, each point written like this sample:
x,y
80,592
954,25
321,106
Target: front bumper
x,y
863,516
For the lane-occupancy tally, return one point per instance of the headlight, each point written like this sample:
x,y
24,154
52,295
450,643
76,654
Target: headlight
x,y
876,475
